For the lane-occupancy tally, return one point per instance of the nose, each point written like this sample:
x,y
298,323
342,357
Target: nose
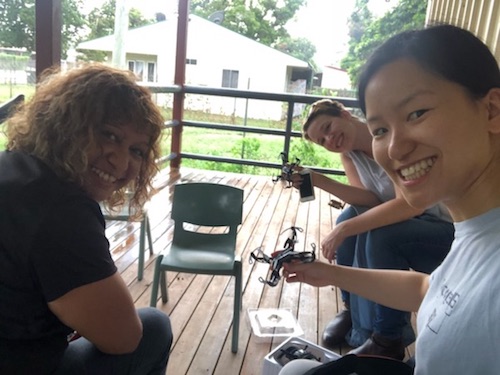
x,y
119,158
400,145
329,139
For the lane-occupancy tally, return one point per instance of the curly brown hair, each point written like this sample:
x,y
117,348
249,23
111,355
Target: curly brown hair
x,y
59,123
321,107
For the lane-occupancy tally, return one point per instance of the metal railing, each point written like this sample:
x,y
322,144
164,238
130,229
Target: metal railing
x,y
287,133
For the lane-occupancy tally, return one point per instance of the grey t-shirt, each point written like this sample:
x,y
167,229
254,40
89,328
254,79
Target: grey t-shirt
x,y
458,325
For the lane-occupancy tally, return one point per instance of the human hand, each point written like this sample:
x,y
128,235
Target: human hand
x,y
332,241
316,273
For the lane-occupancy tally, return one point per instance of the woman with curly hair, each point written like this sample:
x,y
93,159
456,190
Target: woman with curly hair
x,y
88,135
377,230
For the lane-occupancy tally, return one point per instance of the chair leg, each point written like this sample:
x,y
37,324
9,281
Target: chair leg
x,y
150,238
142,238
237,307
156,281
163,285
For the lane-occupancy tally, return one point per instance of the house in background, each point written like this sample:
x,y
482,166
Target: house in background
x,y
333,78
216,57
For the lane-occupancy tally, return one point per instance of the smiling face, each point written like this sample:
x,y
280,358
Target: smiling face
x,y
429,135
332,132
114,160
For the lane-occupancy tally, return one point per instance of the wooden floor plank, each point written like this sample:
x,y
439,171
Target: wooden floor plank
x,y
201,306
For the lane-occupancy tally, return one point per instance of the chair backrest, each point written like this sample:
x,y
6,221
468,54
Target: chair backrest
x,y
207,204
6,108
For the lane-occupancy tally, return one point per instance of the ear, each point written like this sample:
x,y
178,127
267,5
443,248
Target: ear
x,y
493,106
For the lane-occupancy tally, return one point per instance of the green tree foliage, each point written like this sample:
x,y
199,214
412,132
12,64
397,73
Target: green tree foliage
x,y
366,33
101,22
300,48
261,20
17,24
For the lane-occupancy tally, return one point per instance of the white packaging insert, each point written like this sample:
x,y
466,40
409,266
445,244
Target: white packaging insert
x,y
269,324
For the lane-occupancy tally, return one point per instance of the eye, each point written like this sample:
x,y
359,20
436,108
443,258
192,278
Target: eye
x,y
416,114
110,135
378,132
138,152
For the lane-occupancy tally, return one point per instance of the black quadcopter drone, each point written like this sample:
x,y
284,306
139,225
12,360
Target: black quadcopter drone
x,y
286,170
279,257
295,352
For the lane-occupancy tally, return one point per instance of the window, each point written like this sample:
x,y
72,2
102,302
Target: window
x,y
230,78
138,68
151,72
191,61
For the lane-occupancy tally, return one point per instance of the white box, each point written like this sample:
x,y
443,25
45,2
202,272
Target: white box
x,y
275,360
273,324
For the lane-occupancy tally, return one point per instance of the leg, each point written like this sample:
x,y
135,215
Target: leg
x,y
150,357
419,243
336,330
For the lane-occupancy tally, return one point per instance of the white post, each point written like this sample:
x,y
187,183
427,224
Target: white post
x,y
121,27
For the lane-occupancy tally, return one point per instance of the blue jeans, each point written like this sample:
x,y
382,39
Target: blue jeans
x,y
150,357
420,243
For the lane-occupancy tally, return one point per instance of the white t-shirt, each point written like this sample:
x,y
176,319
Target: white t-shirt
x,y
459,319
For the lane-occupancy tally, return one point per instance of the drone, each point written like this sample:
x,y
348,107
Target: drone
x,y
279,257
286,170
295,352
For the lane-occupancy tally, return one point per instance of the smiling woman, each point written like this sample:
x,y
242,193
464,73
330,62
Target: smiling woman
x,y
378,230
84,137
435,120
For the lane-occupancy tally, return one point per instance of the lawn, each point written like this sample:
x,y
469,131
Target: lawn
x,y
226,144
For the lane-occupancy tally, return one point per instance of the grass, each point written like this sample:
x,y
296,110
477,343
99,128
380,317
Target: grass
x,y
226,144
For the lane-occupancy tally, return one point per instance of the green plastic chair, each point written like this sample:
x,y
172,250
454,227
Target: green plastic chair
x,y
145,230
211,252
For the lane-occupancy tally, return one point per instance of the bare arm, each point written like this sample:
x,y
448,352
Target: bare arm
x,y
387,213
402,290
104,313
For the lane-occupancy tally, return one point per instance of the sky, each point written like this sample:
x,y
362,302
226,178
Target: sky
x,y
323,22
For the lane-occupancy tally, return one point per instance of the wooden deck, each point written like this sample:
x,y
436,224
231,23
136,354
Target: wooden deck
x,y
200,306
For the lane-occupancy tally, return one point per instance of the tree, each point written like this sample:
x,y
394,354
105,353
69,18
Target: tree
x,y
17,24
261,20
300,48
367,34
101,22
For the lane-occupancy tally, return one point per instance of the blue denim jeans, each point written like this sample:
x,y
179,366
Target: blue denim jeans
x,y
150,357
420,243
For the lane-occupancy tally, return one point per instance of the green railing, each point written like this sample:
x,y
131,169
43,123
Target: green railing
x,y
289,100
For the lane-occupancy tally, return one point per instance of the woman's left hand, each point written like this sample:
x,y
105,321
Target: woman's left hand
x,y
332,241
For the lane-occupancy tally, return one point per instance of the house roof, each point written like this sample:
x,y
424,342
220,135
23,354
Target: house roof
x,y
148,40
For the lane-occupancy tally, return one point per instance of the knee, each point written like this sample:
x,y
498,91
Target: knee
x,y
346,214
156,327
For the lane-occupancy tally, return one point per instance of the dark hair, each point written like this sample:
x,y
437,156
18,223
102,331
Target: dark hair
x,y
448,51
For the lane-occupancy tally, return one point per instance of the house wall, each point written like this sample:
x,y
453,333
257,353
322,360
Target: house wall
x,y
481,17
335,78
211,49
215,49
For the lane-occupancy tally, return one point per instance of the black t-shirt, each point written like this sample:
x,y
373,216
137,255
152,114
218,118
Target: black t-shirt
x,y
52,240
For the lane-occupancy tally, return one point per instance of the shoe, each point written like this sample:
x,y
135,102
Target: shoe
x,y
336,330
381,346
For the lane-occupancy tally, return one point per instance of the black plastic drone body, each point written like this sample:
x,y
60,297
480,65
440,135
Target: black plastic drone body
x,y
286,169
294,352
278,258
